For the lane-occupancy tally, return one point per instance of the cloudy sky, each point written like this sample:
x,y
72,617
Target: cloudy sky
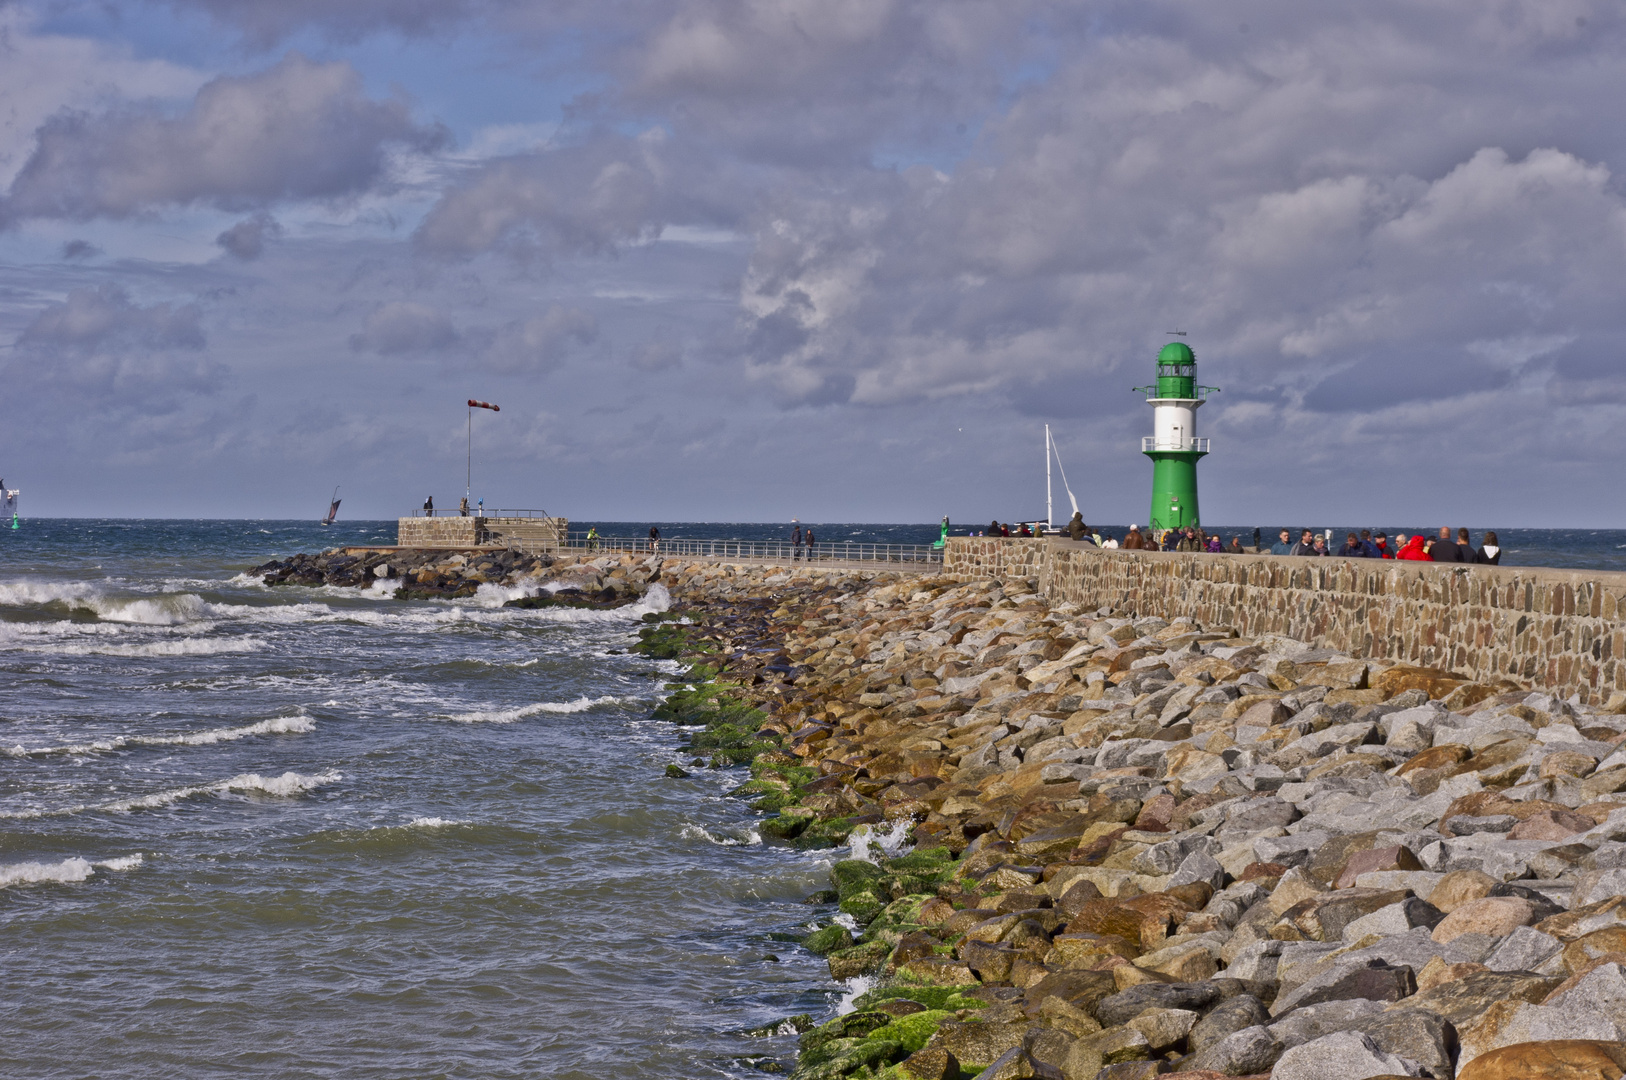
x,y
831,259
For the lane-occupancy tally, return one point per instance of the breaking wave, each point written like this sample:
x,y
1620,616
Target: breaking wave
x,y
170,610
277,725
65,872
510,716
288,784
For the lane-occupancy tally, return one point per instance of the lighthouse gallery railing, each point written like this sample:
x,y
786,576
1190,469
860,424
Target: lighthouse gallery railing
x,y
1151,442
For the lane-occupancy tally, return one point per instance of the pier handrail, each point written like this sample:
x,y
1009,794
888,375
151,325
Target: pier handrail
x,y
773,550
476,512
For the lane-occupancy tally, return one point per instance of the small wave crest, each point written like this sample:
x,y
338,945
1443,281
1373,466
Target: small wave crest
x,y
657,599
866,841
276,725
172,610
747,837
189,646
432,823
510,716
65,872
288,784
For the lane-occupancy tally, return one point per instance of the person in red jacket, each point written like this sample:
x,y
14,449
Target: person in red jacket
x,y
1414,550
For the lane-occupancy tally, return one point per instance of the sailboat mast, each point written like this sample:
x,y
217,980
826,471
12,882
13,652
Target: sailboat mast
x,y
1049,508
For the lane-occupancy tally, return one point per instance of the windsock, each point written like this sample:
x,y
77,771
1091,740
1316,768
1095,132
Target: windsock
x,y
483,405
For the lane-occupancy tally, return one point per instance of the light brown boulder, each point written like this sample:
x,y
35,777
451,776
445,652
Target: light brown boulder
x,y
1566,763
1558,1059
1437,973
1552,825
1459,887
1497,916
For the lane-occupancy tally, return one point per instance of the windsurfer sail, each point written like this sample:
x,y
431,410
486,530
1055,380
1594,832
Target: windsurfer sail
x,y
332,510
8,503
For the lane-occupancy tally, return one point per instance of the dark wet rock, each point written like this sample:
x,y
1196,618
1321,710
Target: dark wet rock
x,y
1227,1018
1196,996
1415,1034
1251,1050
1374,980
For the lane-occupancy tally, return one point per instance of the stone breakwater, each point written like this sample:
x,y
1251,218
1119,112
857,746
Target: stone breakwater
x,y
1562,630
1141,845
542,580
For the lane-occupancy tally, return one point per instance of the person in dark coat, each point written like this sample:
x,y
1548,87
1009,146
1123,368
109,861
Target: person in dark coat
x,y
993,528
1445,549
1306,545
1076,527
1236,546
1490,552
1352,548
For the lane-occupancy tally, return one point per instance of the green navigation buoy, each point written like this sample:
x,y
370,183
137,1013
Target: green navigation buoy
x,y
1175,448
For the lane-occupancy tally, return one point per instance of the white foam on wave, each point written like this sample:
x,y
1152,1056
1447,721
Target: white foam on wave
x,y
66,872
857,987
657,599
432,823
490,595
510,716
749,837
188,646
171,610
288,784
276,725
865,840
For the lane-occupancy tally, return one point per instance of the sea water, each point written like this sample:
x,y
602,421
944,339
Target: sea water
x,y
320,833
324,833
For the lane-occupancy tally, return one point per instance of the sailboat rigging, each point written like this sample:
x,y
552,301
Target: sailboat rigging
x,y
1049,452
332,510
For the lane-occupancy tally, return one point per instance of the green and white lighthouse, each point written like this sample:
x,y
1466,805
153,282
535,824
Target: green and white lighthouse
x,y
1174,447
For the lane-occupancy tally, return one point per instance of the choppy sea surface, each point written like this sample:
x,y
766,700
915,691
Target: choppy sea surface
x,y
316,833
322,833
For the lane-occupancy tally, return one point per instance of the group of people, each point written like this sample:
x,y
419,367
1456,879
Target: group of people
x,y
797,539
1363,545
1414,548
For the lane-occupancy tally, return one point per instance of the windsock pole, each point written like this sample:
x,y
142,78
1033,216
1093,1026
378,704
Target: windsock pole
x,y
468,479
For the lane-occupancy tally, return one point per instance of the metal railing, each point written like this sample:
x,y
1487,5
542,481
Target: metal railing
x,y
766,550
475,511
1150,442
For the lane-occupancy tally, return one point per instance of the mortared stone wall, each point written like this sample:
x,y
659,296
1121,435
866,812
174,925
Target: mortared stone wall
x,y
1556,630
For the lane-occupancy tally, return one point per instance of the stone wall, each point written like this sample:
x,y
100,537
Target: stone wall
x,y
471,531
1555,629
437,532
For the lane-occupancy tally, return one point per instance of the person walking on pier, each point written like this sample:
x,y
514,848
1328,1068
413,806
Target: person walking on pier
x,y
654,539
1306,544
592,538
796,543
429,507
1283,544
809,543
